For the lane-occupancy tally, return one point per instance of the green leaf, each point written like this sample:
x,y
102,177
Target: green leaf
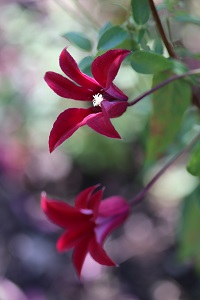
x,y
85,65
179,67
169,104
193,166
158,46
79,40
112,37
149,63
187,19
104,28
140,11
189,238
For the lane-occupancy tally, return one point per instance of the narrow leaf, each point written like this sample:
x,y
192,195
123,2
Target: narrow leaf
x,y
187,19
79,40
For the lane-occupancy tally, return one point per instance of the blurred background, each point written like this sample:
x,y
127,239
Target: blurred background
x,y
31,39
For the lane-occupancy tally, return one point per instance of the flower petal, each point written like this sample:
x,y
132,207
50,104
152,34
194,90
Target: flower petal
x,y
114,109
94,202
99,254
83,197
63,87
71,69
107,225
73,236
113,206
67,123
79,254
101,124
62,213
105,67
116,92
112,213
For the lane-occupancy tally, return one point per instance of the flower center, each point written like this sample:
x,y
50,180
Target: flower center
x,y
98,98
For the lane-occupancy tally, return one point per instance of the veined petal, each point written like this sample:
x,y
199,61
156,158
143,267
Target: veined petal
x,y
116,92
63,87
83,197
62,213
67,123
99,254
101,124
73,236
71,69
106,66
114,109
79,254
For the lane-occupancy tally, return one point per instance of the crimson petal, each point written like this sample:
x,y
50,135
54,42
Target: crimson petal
x,y
63,87
105,67
113,206
79,254
71,69
99,254
113,211
101,124
114,109
81,200
67,123
73,236
116,92
94,202
62,213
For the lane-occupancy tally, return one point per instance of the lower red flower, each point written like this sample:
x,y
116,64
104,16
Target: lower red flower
x,y
87,224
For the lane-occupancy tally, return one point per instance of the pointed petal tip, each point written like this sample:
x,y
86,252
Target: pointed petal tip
x,y
44,203
43,198
51,147
43,194
59,247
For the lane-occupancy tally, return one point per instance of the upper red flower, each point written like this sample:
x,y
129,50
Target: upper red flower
x,y
87,224
108,100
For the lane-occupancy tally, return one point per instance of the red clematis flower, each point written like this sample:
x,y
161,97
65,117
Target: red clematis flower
x,y
87,224
108,100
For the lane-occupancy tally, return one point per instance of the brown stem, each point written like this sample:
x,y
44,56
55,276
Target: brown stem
x,y
161,30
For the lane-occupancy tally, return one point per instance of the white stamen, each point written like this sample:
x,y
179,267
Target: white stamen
x,y
98,98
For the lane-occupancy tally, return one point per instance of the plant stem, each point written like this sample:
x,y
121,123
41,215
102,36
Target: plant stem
x,y
167,81
161,30
139,197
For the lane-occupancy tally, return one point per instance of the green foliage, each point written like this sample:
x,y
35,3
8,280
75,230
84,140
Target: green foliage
x,y
185,18
79,39
149,63
112,37
169,105
85,65
189,238
193,166
140,11
158,46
